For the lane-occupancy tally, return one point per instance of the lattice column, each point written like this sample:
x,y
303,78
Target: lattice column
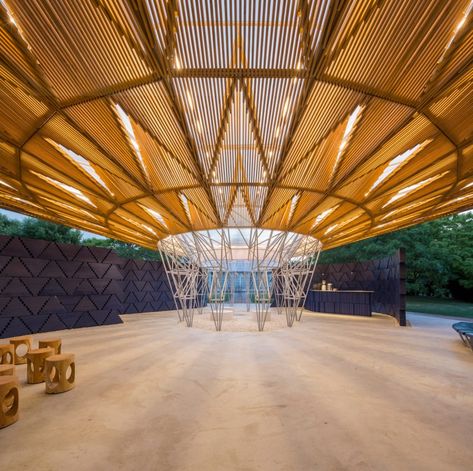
x,y
183,274
295,275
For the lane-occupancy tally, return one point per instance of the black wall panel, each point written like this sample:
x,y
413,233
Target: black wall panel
x,y
145,287
47,286
386,277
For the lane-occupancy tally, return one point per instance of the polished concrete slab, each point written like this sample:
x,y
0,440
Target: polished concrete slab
x,y
332,393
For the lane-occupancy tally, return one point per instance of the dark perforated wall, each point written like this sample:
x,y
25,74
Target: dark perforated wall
x,y
47,286
386,277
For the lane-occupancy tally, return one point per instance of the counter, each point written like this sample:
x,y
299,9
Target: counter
x,y
350,302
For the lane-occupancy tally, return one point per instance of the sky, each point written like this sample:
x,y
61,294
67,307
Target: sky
x,y
19,217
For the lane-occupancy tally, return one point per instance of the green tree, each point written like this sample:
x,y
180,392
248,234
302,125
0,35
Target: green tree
x,y
10,227
39,229
439,255
125,249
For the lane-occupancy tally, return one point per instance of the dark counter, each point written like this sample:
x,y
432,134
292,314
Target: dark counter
x,y
350,302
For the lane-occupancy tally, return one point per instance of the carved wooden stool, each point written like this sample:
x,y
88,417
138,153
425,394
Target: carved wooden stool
x,y
16,342
53,343
55,373
7,352
7,370
9,400
35,368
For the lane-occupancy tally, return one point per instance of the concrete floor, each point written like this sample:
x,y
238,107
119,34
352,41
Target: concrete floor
x,y
333,393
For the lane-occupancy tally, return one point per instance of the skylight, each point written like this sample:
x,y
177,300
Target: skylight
x,y
323,215
455,200
9,186
20,200
352,121
156,215
397,162
70,189
79,160
408,207
341,224
294,202
411,188
139,224
128,127
74,209
457,29
185,203
12,20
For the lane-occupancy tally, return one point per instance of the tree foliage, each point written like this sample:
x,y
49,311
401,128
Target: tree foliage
x,y
124,249
439,255
39,229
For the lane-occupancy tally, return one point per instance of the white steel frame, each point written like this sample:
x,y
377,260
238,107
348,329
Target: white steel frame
x,y
278,265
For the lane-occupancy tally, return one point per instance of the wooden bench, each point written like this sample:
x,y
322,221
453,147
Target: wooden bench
x,y
35,367
9,400
17,342
55,373
7,354
53,343
7,370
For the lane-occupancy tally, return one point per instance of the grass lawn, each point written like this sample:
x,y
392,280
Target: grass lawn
x,y
444,307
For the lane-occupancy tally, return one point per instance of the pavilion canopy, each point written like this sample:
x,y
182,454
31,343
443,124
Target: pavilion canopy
x,y
138,119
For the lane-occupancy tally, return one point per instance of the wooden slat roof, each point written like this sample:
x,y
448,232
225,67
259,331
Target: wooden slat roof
x,y
137,119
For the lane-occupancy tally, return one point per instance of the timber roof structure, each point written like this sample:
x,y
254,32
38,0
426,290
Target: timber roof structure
x,y
136,119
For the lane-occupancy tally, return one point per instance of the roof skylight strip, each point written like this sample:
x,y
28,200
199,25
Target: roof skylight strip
x,y
128,128
457,29
13,21
399,160
81,161
350,127
408,207
156,215
294,201
13,188
69,207
63,186
411,188
455,200
185,203
20,200
139,224
323,215
341,224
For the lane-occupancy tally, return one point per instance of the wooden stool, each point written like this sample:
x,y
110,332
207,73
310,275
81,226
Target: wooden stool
x,y
16,342
55,373
35,368
9,400
53,343
7,370
7,352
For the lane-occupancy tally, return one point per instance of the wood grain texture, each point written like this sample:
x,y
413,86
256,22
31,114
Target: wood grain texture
x,y
136,120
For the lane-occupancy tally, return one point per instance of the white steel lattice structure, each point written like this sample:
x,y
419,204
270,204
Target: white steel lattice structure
x,y
184,276
277,265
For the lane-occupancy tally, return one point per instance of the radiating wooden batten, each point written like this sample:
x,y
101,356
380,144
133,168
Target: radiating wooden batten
x,y
138,119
